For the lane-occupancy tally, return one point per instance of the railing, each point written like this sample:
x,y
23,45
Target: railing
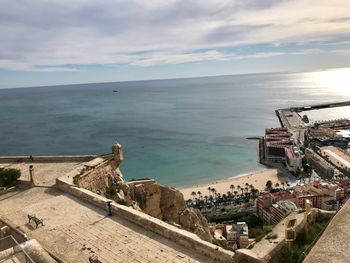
x,y
10,247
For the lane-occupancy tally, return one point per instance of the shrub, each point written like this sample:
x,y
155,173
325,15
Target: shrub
x,y
121,201
9,176
76,179
111,193
259,232
271,236
251,219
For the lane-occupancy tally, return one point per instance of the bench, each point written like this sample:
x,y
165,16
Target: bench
x,y
94,259
36,220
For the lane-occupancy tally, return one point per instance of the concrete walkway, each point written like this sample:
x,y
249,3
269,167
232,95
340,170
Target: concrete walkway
x,y
74,230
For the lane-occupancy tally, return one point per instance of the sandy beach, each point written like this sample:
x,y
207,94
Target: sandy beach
x,y
257,179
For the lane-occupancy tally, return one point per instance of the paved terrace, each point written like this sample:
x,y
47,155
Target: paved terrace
x,y
74,230
45,174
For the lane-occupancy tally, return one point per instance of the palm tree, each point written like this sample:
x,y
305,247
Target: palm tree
x,y
242,189
277,185
209,189
214,191
232,187
235,193
238,187
193,194
252,190
199,194
255,192
206,198
269,185
189,201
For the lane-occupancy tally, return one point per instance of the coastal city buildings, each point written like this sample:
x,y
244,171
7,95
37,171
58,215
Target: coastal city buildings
x,y
277,139
321,166
273,207
338,157
300,144
293,157
323,195
233,236
270,208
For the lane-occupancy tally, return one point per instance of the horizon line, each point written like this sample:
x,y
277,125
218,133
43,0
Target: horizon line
x,y
175,78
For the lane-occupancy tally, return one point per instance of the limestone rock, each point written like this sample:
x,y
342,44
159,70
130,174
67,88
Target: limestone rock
x,y
135,206
148,197
172,202
192,220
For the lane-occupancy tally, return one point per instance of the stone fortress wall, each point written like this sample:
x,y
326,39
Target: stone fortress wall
x,y
47,159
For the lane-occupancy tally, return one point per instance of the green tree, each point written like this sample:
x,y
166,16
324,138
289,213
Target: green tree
x,y
268,185
193,194
206,198
9,176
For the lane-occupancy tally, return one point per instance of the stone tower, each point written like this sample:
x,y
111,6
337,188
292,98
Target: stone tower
x,y
117,151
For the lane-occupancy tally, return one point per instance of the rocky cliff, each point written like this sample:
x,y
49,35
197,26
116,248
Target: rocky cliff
x,y
165,203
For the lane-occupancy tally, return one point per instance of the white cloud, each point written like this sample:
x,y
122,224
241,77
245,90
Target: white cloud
x,y
48,35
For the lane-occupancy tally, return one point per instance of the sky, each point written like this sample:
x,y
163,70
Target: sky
x,y
51,42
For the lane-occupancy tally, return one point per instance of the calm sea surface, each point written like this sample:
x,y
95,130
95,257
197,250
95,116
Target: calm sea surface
x,y
180,132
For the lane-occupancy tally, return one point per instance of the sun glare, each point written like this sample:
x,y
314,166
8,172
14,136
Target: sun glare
x,y
336,80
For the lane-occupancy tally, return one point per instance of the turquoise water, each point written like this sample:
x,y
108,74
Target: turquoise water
x,y
180,132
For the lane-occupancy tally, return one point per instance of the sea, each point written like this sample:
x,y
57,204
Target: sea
x,y
181,132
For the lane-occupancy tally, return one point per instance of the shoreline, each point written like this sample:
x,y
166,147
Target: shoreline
x,y
206,183
258,179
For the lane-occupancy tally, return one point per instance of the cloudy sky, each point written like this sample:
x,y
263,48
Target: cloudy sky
x,y
46,42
